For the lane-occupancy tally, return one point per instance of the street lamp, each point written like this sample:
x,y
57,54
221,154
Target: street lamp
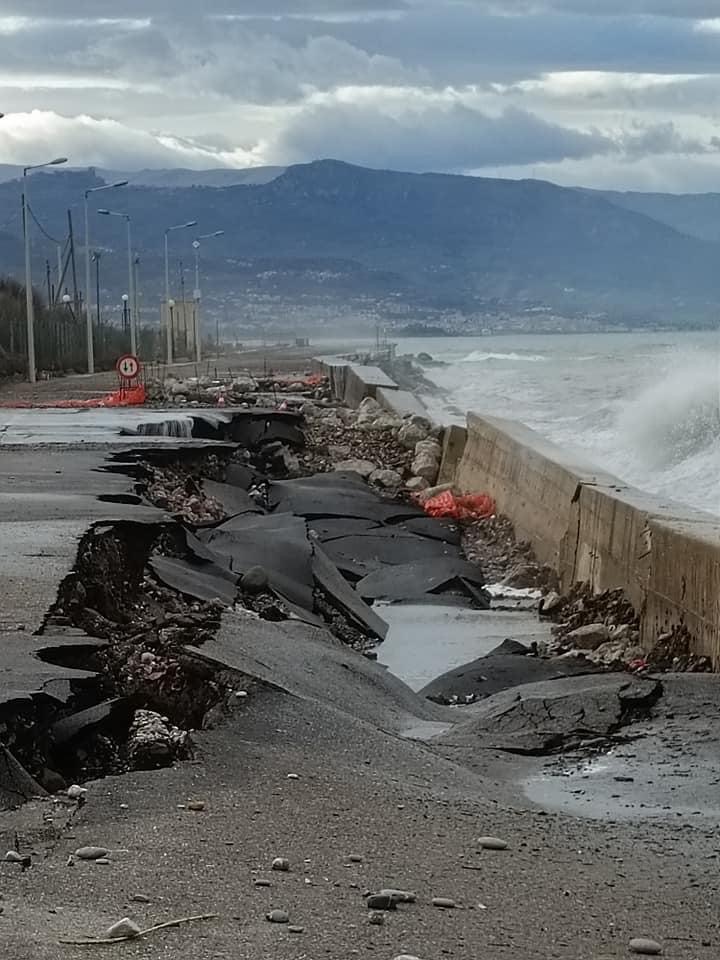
x,y
30,303
131,273
88,311
197,295
179,226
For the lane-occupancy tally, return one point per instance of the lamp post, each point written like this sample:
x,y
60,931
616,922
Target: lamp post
x,y
170,326
88,306
197,294
29,302
169,338
131,275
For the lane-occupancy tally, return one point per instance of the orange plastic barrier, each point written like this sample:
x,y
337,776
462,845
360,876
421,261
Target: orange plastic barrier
x,y
477,506
131,397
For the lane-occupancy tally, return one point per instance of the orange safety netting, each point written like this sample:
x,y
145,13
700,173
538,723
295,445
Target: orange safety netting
x,y
130,397
476,506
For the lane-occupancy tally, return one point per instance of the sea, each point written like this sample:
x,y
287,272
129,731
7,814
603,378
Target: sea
x,y
643,406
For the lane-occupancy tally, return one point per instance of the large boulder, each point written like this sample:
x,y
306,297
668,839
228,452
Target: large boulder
x,y
417,485
425,465
410,434
362,467
387,479
429,446
368,410
589,637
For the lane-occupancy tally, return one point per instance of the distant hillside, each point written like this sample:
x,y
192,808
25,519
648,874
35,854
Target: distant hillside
x,y
220,177
334,230
695,214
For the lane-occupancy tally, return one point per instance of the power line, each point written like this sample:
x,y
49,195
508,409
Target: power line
x,y
41,228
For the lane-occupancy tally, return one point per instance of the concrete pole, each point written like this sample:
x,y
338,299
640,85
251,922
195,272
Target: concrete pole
x,y
131,290
29,302
88,284
168,315
198,336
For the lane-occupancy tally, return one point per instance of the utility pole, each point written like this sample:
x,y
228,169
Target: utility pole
x,y
29,299
88,310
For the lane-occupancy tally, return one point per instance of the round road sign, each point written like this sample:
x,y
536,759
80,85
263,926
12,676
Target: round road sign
x,y
128,366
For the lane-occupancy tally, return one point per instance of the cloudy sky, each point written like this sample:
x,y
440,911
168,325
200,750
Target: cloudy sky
x,y
610,93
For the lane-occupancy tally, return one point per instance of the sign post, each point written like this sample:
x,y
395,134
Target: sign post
x,y
128,370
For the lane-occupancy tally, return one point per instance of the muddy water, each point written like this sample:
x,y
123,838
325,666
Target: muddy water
x,y
426,640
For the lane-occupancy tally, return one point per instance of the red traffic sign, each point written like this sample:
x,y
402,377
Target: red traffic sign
x,y
128,366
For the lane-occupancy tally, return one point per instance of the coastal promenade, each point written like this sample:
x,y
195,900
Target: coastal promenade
x,y
328,760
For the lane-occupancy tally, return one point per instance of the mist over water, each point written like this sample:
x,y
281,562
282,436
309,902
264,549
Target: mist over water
x,y
644,406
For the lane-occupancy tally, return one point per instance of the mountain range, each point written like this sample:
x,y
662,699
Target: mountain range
x,y
329,232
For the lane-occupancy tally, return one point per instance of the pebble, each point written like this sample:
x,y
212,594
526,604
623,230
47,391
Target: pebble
x,y
293,776
355,858
12,856
76,792
140,898
197,805
492,843
103,861
296,929
444,902
263,883
124,928
278,916
377,918
406,956
281,864
91,853
381,901
650,948
400,896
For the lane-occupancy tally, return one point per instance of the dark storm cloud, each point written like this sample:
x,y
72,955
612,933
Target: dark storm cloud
x,y
420,84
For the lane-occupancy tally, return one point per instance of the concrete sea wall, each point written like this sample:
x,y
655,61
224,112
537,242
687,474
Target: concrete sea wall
x,y
587,524
593,528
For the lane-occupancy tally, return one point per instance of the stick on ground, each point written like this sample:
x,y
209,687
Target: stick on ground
x,y
95,941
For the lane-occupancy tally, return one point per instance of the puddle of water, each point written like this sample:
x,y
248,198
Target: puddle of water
x,y
623,786
426,640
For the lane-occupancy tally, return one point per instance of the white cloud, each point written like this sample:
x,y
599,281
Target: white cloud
x,y
27,138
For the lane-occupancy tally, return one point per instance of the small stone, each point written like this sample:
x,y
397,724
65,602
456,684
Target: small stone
x,y
649,948
381,901
2,909
91,853
492,843
103,861
263,883
417,485
281,863
588,637
406,956
278,916
293,776
377,918
124,928
296,929
355,858
400,896
550,603
255,580
445,903
197,805
140,898
12,856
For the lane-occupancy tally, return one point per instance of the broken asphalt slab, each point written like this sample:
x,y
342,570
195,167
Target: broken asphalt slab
x,y
416,580
494,672
547,717
308,662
